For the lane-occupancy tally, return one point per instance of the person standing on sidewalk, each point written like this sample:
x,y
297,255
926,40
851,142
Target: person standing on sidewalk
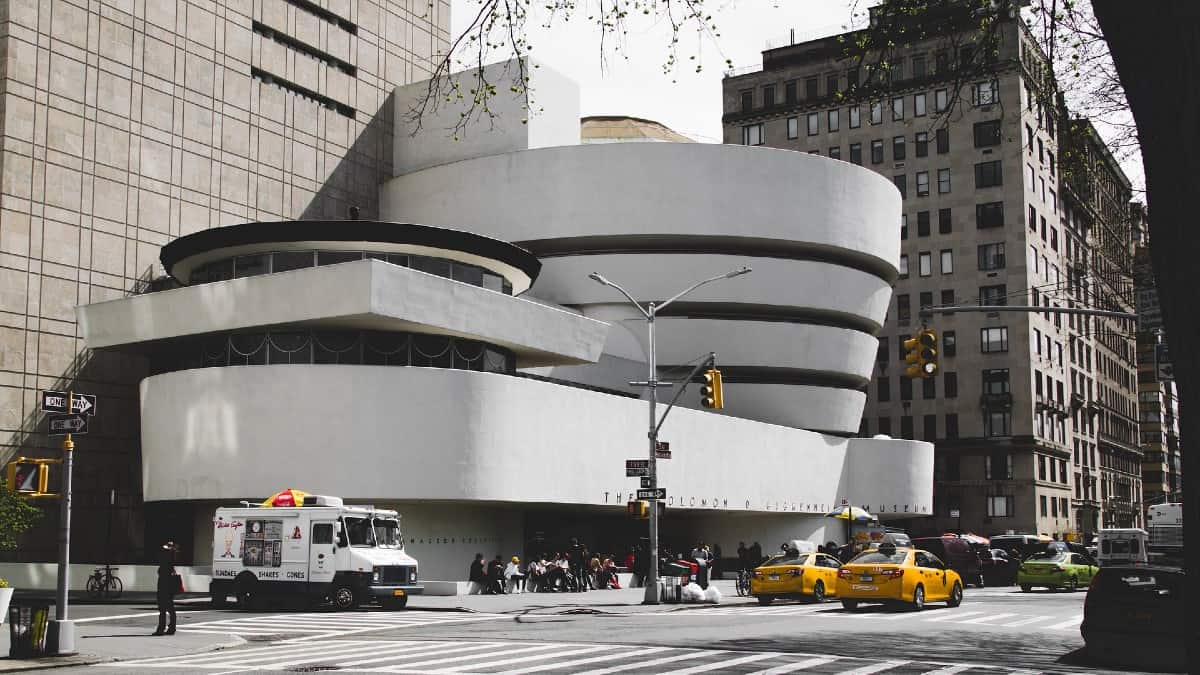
x,y
168,586
476,576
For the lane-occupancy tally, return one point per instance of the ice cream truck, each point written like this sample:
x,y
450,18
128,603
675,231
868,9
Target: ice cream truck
x,y
313,548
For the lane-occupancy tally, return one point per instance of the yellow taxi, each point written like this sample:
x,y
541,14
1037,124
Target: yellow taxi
x,y
898,575
795,575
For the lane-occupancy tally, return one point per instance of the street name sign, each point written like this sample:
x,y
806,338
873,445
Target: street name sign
x,y
652,493
637,467
61,425
662,450
56,402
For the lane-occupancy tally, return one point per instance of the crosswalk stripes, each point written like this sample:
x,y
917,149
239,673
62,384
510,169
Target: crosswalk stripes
x,y
327,624
458,657
979,615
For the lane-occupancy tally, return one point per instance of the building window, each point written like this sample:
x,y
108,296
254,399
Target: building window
x,y
998,465
1042,471
752,134
1032,219
898,148
897,108
885,426
919,103
922,141
950,384
995,381
951,424
991,256
924,263
793,128
929,389
903,310
1042,504
930,423
906,427
1053,239
942,136
993,295
747,101
941,100
768,95
904,266
852,78
906,389
993,340
947,261
1029,139
988,215
922,223
856,153
944,223
985,93
814,123
1000,507
948,296
918,65
922,183
949,343
882,354
789,92
903,226
988,174
901,183
877,112
831,84
884,389
997,423
810,88
835,152
926,300
834,121
877,152
987,133
855,117
943,181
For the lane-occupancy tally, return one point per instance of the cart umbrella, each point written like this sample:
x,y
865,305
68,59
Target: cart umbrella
x,y
850,514
288,497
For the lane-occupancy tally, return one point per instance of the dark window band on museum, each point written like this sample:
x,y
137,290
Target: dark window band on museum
x,y
366,348
256,264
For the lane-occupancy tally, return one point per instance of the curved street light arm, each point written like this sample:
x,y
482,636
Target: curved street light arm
x,y
698,284
601,280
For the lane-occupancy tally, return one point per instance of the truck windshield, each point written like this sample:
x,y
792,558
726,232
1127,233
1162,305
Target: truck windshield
x,y
359,532
387,533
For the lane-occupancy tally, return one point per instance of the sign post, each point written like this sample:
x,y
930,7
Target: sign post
x,y
75,409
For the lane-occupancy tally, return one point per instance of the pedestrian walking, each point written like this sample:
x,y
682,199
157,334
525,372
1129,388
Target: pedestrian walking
x,y
477,578
169,584
514,575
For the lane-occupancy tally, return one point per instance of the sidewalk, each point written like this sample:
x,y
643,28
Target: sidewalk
x,y
623,601
101,642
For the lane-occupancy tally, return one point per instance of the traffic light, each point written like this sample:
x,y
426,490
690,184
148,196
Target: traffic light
x,y
710,392
920,353
28,477
638,509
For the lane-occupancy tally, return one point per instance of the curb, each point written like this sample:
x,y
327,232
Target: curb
x,y
26,665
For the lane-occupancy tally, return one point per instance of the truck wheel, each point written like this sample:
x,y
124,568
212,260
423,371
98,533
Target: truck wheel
x,y
393,604
344,598
245,588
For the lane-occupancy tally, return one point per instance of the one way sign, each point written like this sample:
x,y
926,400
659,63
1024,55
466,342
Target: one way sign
x,y
68,424
56,402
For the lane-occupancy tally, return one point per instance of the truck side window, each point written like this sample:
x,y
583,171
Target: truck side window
x,y
322,533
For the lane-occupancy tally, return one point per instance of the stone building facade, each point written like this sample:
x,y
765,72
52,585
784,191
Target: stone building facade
x,y
127,124
974,150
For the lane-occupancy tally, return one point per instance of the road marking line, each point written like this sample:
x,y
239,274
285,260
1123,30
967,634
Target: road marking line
x,y
315,654
653,662
233,659
131,616
525,659
949,670
420,665
874,668
1025,622
198,658
705,667
989,617
953,616
1073,622
798,665
580,662
424,649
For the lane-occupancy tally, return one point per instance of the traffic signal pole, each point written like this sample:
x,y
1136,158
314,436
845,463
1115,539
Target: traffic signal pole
x,y
61,634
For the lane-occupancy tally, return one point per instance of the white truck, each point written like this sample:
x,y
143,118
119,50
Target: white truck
x,y
1165,524
1122,545
319,551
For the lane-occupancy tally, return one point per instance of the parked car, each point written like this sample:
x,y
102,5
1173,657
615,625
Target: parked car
x,y
898,575
1056,569
1134,616
804,575
957,554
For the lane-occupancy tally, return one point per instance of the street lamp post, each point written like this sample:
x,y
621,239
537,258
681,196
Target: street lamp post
x,y
649,312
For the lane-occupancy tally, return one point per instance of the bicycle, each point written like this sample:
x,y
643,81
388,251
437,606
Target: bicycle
x,y
103,583
743,583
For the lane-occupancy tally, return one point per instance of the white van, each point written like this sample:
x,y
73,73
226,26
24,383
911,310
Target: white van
x,y
322,550
1122,545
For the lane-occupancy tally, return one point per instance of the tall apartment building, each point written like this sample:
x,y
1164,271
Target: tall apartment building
x,y
987,221
128,124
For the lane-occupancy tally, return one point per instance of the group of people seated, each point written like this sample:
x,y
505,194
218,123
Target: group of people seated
x,y
562,572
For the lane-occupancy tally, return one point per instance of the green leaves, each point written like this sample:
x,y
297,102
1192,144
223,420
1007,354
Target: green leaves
x,y
17,516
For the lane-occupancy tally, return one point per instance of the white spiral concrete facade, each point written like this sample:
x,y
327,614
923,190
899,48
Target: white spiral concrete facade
x,y
795,338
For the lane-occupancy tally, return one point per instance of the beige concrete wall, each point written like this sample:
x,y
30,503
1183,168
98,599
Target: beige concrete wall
x,y
126,124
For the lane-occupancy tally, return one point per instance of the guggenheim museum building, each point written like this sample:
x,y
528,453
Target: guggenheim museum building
x,y
454,361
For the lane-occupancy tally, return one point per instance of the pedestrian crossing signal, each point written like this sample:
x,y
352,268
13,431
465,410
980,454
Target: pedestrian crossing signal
x,y
639,509
28,477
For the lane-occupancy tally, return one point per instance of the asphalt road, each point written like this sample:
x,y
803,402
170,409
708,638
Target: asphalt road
x,y
994,631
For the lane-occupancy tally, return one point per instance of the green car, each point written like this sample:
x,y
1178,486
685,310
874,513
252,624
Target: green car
x,y
1056,569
